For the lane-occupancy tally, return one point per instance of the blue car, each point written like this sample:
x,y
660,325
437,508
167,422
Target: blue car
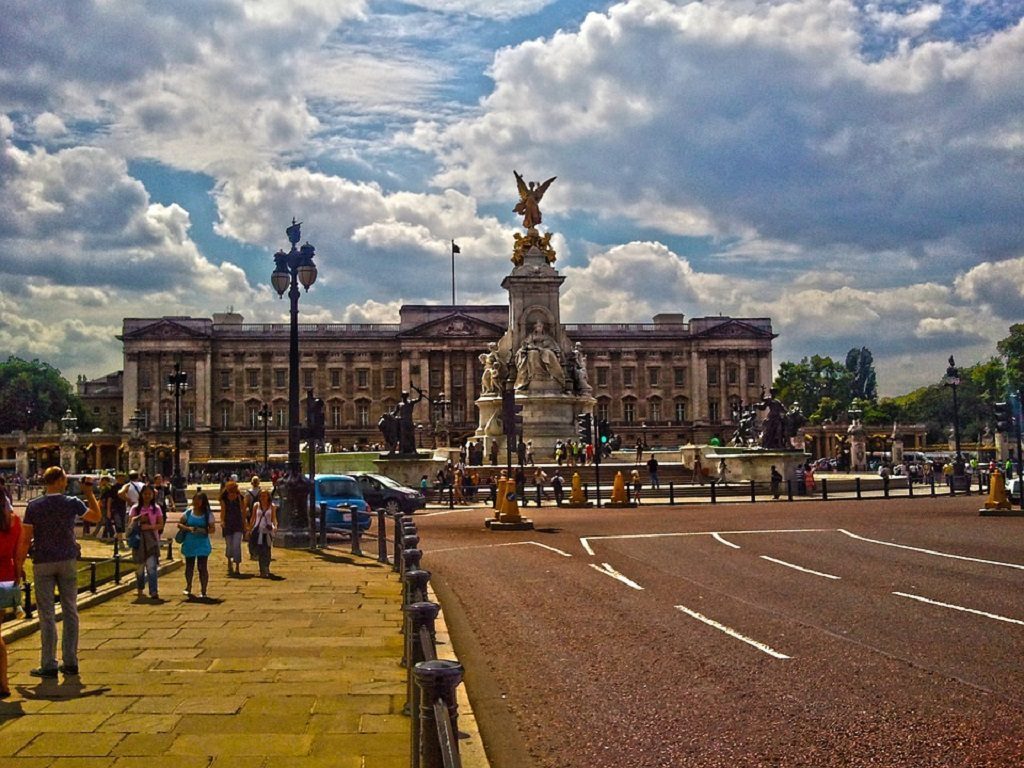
x,y
341,493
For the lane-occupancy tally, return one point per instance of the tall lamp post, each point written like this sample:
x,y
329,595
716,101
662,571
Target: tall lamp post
x,y
264,413
291,268
177,383
952,380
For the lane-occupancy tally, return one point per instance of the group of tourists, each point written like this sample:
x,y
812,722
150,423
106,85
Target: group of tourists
x,y
48,531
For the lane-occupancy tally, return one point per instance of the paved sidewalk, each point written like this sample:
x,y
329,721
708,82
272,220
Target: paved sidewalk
x,y
301,671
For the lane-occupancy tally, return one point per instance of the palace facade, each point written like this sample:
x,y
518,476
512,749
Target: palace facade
x,y
670,381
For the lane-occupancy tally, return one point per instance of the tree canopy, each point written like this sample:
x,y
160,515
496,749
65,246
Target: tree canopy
x,y
33,393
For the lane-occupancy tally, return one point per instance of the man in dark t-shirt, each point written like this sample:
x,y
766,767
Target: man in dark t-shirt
x,y
114,507
50,528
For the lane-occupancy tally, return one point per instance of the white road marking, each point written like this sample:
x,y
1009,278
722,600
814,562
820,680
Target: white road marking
x,y
718,537
493,546
995,616
732,632
585,540
1018,566
800,568
607,570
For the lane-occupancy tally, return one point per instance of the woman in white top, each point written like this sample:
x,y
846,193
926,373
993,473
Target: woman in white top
x,y
264,523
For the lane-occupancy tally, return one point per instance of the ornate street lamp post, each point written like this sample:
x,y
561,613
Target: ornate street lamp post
x,y
264,413
952,380
290,269
177,383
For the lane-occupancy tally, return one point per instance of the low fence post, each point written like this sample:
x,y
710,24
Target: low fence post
x,y
418,615
414,584
885,486
409,541
28,600
354,516
856,483
824,489
910,486
382,539
170,548
671,493
438,681
117,567
753,494
933,483
396,565
789,490
92,578
451,496
714,497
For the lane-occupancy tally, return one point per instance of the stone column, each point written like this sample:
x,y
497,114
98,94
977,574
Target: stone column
x,y
204,391
130,395
744,394
696,409
21,461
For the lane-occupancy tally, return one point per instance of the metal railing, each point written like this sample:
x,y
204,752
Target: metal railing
x,y
431,683
92,574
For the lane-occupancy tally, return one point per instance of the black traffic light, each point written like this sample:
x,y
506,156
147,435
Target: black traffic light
x,y
1004,417
584,429
604,431
511,414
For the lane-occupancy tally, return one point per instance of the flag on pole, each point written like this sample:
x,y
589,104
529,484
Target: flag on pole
x,y
455,248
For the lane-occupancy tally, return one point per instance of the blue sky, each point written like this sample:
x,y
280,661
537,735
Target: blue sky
x,y
850,169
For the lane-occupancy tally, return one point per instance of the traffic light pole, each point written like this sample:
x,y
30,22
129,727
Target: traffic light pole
x,y
598,450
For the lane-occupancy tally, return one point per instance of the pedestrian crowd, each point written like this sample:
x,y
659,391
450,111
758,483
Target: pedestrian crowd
x,y
134,513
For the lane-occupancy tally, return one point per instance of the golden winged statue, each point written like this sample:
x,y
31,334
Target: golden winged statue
x,y
529,199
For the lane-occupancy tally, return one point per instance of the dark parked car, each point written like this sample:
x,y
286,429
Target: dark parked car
x,y
380,491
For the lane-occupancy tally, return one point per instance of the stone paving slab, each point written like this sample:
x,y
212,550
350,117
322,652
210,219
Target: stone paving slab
x,y
301,671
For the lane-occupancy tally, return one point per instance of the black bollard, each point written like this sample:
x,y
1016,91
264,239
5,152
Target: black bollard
x,y
418,615
671,493
396,564
856,482
753,492
714,500
789,490
382,539
824,489
438,681
354,515
117,568
28,600
885,486
414,590
92,578
411,560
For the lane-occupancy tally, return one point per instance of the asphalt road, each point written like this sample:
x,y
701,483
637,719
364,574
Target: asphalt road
x,y
874,633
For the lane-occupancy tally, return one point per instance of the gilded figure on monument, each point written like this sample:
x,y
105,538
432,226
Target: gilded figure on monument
x,y
529,200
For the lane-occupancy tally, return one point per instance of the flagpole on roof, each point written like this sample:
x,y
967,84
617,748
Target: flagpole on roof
x,y
455,249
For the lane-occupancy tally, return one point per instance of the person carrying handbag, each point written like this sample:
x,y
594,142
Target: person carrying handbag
x,y
264,514
145,524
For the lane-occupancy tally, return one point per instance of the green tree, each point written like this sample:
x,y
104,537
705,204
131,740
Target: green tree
x,y
860,364
32,393
812,379
1012,351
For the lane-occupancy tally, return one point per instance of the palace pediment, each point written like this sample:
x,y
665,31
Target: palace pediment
x,y
453,326
731,328
165,328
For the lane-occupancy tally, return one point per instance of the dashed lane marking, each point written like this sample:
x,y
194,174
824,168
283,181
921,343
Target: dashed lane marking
x,y
800,568
607,570
975,611
718,537
561,552
585,540
1018,566
732,632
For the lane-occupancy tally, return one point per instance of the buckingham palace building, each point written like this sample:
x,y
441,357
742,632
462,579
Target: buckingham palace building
x,y
669,382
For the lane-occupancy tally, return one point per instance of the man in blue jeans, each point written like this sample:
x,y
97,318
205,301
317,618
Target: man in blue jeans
x,y
50,528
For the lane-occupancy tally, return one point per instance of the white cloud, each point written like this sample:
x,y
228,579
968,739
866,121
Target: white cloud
x,y
761,118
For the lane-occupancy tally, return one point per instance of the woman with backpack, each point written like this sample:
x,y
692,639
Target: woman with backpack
x,y
145,523
197,523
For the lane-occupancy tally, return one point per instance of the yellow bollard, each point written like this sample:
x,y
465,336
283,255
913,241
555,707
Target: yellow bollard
x,y
997,498
499,502
619,489
510,506
576,496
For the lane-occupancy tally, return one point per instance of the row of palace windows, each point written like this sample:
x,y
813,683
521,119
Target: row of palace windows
x,y
364,415
679,376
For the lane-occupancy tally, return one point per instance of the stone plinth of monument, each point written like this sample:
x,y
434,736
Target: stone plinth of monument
x,y
407,469
745,464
